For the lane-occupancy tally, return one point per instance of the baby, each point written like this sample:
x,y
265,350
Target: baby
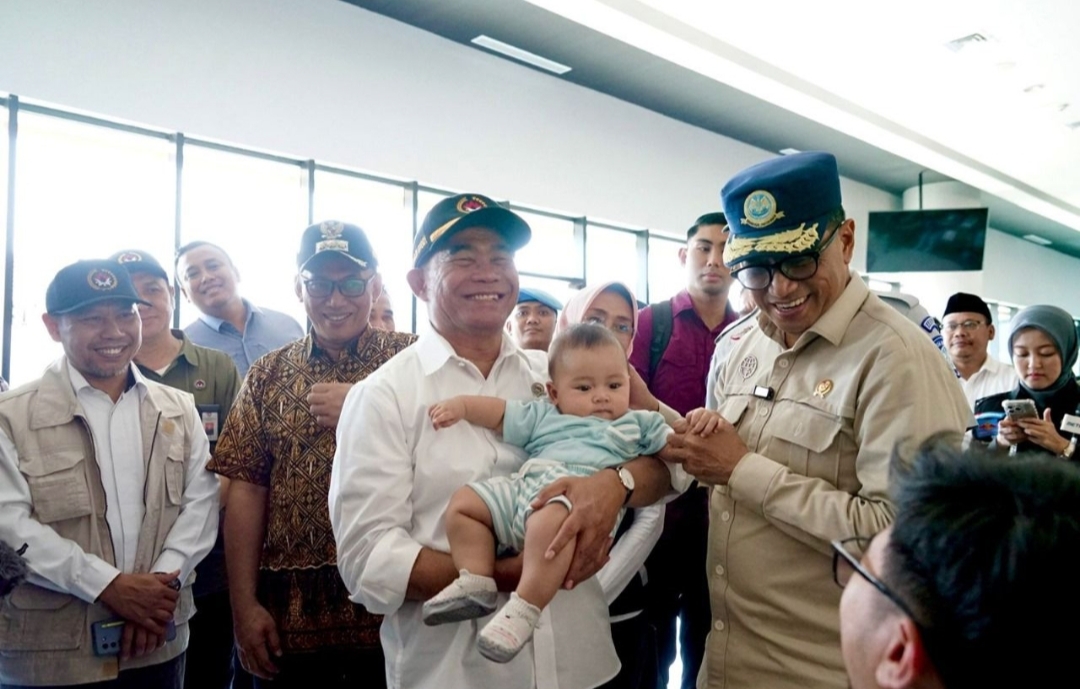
x,y
586,427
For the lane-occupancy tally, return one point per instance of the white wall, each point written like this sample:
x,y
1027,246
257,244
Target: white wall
x,y
323,79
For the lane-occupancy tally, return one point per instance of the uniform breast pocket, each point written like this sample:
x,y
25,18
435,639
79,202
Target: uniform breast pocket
x,y
174,476
808,440
58,486
733,408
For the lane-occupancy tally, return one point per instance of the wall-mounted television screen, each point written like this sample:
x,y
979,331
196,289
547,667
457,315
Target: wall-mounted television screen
x,y
938,240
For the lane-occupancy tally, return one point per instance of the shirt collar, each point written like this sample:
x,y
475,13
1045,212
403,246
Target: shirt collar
x,y
831,325
681,302
312,348
79,382
216,323
434,351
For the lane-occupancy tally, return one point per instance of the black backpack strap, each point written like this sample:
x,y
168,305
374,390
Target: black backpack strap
x,y
662,323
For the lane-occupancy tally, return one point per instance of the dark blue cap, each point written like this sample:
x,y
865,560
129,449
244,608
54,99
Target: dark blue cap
x,y
538,295
89,282
334,236
779,208
140,261
460,212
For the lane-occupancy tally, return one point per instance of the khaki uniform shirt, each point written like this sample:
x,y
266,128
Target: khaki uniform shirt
x,y
860,379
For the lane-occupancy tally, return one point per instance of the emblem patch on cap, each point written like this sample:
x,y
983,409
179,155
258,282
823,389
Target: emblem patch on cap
x,y
760,209
470,204
101,279
129,257
331,229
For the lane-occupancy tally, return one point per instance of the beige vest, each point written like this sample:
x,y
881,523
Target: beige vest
x,y
45,636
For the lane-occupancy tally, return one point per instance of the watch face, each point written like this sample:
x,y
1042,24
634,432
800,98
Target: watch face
x,y
627,478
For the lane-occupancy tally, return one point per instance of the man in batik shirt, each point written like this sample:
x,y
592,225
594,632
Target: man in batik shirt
x,y
292,613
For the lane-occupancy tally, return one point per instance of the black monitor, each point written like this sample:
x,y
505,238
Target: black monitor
x,y
937,240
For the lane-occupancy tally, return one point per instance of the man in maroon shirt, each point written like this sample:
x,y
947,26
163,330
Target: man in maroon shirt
x,y
676,376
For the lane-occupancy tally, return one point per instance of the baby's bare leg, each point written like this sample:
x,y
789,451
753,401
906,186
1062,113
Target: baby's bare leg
x,y
469,530
541,579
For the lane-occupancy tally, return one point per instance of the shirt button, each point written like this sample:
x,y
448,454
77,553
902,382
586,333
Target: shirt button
x,y
720,570
764,411
725,516
783,363
719,625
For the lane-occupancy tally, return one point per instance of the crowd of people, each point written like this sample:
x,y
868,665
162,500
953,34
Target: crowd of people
x,y
799,493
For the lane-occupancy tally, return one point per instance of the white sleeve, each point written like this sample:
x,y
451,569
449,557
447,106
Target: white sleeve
x,y
370,499
630,552
54,562
193,533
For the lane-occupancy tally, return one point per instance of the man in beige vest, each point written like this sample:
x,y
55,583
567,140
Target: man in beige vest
x,y
102,476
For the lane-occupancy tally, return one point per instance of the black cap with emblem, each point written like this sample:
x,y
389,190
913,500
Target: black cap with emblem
x,y
88,282
336,237
457,213
140,262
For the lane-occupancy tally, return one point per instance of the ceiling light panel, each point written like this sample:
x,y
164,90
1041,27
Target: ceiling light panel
x,y
520,54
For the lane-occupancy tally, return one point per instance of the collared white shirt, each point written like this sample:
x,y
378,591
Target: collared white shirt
x,y
392,479
58,563
994,377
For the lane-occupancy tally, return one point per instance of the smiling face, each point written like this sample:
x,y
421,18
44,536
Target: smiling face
x,y
795,305
157,315
470,286
337,320
1036,358
100,340
208,279
703,258
532,325
591,382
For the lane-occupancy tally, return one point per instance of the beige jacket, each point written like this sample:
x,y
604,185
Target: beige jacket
x,y
862,378
45,635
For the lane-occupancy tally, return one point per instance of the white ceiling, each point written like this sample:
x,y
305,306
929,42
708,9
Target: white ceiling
x,y
871,81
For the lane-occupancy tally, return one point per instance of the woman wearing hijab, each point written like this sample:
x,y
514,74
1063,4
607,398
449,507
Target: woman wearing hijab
x,y
1043,346
612,305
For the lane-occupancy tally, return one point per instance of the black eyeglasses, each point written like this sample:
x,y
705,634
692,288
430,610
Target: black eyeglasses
x,y
796,268
845,563
320,288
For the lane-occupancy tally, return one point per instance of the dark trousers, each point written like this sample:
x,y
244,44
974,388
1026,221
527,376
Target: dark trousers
x,y
167,675
210,649
679,586
635,644
352,669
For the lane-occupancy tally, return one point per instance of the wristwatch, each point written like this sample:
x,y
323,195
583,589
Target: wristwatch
x,y
1068,452
627,480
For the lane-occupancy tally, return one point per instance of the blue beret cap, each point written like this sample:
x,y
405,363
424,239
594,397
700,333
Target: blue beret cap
x,y
538,295
778,208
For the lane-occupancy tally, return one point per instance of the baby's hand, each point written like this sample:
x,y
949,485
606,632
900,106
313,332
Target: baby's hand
x,y
703,421
446,413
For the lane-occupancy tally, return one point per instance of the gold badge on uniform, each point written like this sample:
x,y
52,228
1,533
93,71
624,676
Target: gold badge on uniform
x,y
823,388
538,390
748,366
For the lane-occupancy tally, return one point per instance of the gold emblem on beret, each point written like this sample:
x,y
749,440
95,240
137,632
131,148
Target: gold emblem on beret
x,y
102,280
823,388
760,209
795,241
129,257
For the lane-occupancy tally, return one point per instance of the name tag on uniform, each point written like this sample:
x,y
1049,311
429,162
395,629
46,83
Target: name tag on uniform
x,y
1071,424
210,414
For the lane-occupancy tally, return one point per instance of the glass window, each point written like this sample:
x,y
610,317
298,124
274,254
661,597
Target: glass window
x,y
612,255
552,249
255,210
381,210
667,277
83,191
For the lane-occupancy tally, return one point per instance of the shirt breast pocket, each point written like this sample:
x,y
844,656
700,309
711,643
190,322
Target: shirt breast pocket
x,y
58,486
174,474
809,441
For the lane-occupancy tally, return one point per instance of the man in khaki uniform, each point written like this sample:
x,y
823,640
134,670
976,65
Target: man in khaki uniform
x,y
817,394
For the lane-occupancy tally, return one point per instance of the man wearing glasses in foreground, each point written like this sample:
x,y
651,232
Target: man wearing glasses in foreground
x,y
817,392
971,586
291,611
